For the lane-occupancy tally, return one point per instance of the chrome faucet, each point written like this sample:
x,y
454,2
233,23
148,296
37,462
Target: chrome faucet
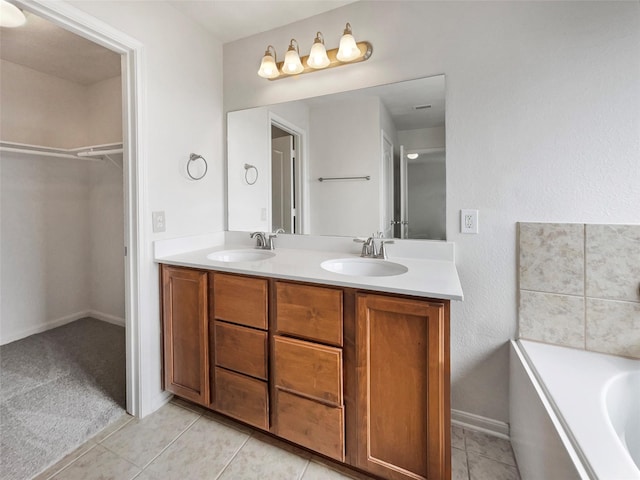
x,y
261,241
264,241
370,249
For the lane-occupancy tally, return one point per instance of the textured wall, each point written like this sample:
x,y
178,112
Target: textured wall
x,y
543,124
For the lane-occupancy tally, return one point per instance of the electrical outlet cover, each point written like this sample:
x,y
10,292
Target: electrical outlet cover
x,y
469,221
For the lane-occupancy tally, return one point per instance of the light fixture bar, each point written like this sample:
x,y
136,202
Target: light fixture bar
x,y
365,52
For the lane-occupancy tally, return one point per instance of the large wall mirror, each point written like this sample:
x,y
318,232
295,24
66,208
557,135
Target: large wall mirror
x,y
353,163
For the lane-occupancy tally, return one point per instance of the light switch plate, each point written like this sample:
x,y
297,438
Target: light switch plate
x,y
469,221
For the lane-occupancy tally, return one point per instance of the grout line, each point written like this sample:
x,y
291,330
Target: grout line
x,y
304,470
172,441
72,462
112,433
235,454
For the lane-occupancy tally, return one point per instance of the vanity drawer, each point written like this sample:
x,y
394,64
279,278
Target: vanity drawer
x,y
241,349
242,397
310,424
309,369
241,300
310,312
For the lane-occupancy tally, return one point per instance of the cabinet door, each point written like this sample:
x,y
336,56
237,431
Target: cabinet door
x,y
403,401
184,314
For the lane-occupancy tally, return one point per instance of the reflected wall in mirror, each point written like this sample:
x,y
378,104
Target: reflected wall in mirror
x,y
353,163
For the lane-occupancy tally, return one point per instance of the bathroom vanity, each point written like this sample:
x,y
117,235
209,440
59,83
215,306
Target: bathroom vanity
x,y
341,365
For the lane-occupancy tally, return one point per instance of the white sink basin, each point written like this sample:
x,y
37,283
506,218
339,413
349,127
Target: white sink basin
x,y
246,255
365,267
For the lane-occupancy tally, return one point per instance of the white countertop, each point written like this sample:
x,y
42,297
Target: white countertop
x,y
426,277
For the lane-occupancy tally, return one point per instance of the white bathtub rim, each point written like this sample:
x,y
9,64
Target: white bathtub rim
x,y
577,457
595,461
604,404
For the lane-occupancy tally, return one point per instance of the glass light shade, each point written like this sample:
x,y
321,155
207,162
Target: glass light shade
x,y
10,15
348,50
292,63
412,156
318,56
268,67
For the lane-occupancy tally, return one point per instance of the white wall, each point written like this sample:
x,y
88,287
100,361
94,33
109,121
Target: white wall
x,y
345,143
37,107
182,91
106,241
45,243
434,137
543,124
105,112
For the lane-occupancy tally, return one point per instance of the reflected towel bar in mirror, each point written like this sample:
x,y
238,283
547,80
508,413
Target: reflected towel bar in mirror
x,y
364,177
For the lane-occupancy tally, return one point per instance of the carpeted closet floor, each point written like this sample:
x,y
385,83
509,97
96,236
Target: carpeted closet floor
x,y
57,389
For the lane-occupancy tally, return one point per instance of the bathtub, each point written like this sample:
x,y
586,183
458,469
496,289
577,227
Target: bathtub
x,y
574,414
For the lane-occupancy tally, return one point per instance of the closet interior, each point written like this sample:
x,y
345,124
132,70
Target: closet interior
x,y
62,262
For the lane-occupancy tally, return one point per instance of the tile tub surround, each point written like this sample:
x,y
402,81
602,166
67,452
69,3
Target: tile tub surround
x,y
203,445
579,286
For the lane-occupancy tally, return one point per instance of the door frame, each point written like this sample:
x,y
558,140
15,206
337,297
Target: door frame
x,y
386,185
301,192
136,255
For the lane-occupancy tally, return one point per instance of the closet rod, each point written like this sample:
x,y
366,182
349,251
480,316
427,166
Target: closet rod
x,y
44,153
99,153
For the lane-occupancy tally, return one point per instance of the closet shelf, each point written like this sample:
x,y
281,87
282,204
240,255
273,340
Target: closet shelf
x,y
94,153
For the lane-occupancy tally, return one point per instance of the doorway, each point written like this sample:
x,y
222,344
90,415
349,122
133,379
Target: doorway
x,y
139,280
286,177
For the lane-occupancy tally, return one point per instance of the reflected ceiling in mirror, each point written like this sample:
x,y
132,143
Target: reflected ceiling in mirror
x,y
356,163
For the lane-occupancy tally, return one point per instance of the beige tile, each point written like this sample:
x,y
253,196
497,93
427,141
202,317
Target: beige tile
x,y
111,429
317,471
261,461
459,469
228,422
140,441
550,318
613,262
489,446
99,464
188,405
67,460
339,467
202,451
552,257
457,437
613,327
483,468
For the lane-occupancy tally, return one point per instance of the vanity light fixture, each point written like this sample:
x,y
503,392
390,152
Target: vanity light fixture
x,y
412,156
268,66
292,64
10,15
348,50
319,57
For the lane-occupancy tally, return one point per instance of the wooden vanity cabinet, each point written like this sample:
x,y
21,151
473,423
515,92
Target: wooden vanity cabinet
x,y
238,361
402,403
308,367
360,377
185,316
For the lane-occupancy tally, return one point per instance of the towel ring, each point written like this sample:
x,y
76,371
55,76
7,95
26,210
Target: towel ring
x,y
248,167
192,158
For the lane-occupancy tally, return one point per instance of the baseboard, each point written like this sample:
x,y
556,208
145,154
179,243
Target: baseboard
x,y
105,317
58,322
486,425
43,327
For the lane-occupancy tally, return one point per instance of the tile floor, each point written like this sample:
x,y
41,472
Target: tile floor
x,y
182,441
